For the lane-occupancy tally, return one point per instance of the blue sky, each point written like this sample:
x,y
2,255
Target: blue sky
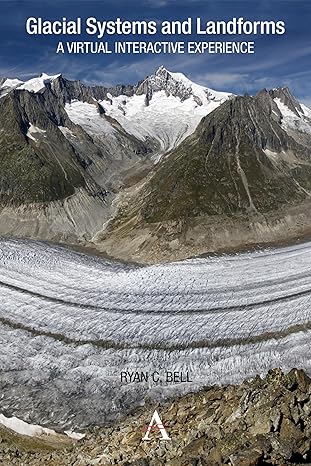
x,y
278,61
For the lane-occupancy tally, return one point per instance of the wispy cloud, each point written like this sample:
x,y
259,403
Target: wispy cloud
x,y
282,55
156,3
219,79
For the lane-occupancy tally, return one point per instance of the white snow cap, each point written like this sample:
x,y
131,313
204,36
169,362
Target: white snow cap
x,y
10,83
32,85
37,84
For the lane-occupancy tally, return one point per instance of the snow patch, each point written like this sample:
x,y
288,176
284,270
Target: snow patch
x,y
306,110
286,112
291,121
34,130
271,154
74,435
87,116
166,118
32,430
67,132
23,428
11,83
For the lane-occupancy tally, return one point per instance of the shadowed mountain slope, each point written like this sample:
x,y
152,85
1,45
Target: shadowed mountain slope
x,y
248,162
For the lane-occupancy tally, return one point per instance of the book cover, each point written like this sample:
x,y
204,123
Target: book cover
x,y
155,183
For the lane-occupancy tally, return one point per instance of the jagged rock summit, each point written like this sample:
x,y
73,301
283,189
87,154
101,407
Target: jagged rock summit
x,y
177,85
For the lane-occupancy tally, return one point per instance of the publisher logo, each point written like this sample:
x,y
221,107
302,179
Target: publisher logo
x,y
156,425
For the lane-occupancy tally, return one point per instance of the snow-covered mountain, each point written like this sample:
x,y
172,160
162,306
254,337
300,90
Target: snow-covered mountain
x,y
295,116
90,141
132,157
165,107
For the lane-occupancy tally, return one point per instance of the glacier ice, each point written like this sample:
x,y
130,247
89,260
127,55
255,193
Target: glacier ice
x,y
70,323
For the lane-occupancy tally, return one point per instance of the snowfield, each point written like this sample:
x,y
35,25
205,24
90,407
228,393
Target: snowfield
x,y
292,121
70,323
167,119
87,116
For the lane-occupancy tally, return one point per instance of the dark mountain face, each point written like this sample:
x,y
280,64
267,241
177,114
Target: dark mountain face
x,y
238,160
41,170
58,179
76,90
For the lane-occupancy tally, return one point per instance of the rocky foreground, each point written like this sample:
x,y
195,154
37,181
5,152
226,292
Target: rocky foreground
x,y
259,422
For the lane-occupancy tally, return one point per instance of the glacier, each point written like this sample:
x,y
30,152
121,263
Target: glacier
x,y
71,322
174,110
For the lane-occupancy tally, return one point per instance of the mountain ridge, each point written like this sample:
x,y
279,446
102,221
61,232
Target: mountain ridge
x,y
162,155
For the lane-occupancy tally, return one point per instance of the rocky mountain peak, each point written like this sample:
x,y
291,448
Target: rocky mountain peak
x,y
286,98
161,70
163,80
265,100
177,85
247,119
173,84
